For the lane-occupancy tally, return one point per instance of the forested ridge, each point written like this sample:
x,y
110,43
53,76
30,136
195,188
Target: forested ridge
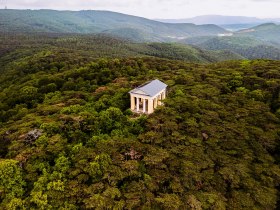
x,y
15,46
94,21
150,37
248,47
69,141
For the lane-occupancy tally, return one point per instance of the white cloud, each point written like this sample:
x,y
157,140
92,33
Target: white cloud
x,y
159,8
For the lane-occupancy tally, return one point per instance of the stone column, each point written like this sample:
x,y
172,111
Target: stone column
x,y
155,102
163,94
159,99
132,103
150,106
137,104
144,105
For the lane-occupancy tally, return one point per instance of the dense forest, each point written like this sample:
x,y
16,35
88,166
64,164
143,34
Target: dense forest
x,y
15,46
69,141
267,32
247,47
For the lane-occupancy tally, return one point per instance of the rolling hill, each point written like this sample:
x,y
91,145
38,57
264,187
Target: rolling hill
x,y
257,42
85,22
14,46
268,32
262,41
248,47
68,139
221,20
232,23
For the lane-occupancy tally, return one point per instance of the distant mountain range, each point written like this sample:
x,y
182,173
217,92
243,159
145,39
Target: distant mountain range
x,y
221,20
262,41
126,26
247,47
269,32
232,23
247,38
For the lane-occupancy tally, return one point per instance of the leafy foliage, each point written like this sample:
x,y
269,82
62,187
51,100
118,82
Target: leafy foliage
x,y
213,145
86,48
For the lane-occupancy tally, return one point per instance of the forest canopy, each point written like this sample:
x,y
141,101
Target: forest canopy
x,y
69,141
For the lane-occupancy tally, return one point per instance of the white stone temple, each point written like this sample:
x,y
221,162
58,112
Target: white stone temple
x,y
145,98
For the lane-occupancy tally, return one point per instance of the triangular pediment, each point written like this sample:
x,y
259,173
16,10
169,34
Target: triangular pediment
x,y
139,92
151,88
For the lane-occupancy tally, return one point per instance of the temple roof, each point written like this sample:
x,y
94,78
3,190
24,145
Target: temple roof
x,y
150,88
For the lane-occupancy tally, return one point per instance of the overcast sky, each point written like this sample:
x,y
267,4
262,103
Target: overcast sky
x,y
159,8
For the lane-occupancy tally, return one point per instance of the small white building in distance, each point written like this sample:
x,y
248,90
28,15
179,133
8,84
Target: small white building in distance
x,y
145,98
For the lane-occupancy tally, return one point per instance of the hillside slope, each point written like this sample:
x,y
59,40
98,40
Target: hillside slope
x,y
248,47
268,32
69,141
98,22
15,46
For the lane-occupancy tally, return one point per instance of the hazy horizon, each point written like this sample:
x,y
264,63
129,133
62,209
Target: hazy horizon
x,y
159,9
143,16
